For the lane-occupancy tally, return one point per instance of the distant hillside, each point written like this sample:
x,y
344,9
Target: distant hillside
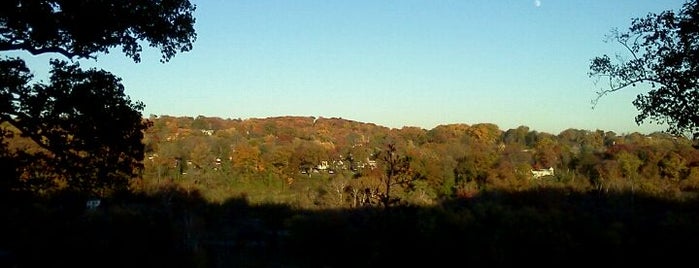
x,y
449,160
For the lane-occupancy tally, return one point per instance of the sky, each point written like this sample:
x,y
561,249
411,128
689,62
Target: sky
x,y
393,63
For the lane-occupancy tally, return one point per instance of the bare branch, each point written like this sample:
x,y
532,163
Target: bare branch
x,y
626,45
613,88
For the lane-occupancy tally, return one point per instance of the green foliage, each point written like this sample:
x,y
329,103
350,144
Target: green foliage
x,y
673,167
516,135
629,164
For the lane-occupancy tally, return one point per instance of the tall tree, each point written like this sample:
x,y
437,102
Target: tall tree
x,y
397,173
663,52
87,126
91,132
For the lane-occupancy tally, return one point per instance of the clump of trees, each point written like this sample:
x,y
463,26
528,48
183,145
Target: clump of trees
x,y
88,132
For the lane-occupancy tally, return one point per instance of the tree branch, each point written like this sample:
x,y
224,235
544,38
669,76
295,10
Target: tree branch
x,y
36,138
614,88
38,51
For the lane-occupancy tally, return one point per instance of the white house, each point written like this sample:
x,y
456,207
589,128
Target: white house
x,y
542,173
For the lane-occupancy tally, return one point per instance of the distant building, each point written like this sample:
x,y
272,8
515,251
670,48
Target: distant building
x,y
542,173
322,166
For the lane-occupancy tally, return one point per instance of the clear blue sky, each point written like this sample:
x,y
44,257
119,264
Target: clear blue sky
x,y
394,63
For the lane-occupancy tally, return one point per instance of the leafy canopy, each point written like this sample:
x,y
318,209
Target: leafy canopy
x,y
81,28
88,131
663,52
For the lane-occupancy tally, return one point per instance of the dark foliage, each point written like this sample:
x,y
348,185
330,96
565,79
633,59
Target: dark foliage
x,y
663,52
88,127
177,228
85,27
89,132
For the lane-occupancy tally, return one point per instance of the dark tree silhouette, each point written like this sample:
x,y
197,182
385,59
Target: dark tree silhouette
x,y
81,28
88,131
663,52
397,172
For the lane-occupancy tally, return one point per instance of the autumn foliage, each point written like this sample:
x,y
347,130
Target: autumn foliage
x,y
314,192
335,162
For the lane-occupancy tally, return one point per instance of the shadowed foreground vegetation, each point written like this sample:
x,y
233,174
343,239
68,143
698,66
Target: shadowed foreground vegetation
x,y
174,227
256,193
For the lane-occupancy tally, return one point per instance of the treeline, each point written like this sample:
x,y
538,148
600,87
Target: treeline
x,y
470,198
324,162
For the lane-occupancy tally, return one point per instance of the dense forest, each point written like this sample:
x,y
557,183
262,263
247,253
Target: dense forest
x,y
321,162
332,192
